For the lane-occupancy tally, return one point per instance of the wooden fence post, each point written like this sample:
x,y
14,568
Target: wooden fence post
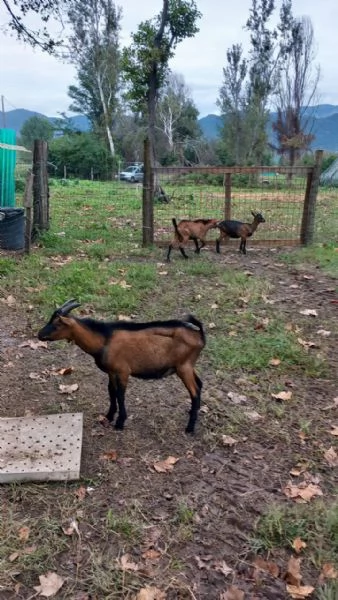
x,y
40,188
227,203
147,198
28,204
309,208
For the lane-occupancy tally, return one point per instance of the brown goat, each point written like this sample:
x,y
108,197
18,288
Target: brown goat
x,y
237,229
149,350
188,229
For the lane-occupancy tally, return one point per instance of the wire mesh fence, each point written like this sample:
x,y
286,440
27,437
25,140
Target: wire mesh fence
x,y
103,215
234,193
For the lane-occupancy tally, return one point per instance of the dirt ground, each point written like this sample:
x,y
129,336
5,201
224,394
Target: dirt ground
x,y
186,531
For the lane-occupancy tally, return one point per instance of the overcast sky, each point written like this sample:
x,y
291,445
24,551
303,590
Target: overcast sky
x,y
33,80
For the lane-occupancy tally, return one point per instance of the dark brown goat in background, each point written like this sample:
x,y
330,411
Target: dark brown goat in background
x,y
238,229
149,350
190,229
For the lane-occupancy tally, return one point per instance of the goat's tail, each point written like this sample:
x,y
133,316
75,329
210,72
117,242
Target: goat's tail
x,y
177,232
195,324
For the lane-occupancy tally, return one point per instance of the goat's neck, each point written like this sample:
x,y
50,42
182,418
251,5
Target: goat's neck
x,y
254,225
89,341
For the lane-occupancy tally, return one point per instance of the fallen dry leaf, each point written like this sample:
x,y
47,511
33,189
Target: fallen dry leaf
x,y
227,440
150,593
237,398
328,572
123,318
292,575
152,554
299,592
24,533
268,567
299,469
110,455
334,430
274,362
306,344
323,332
212,325
33,344
222,567
12,557
162,466
49,584
333,405
80,492
232,593
331,457
298,545
65,371
10,301
302,493
126,564
309,312
68,389
72,527
282,396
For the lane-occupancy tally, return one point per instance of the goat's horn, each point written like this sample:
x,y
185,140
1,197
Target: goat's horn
x,y
68,306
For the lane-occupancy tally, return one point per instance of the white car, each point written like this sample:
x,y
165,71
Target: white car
x,y
133,174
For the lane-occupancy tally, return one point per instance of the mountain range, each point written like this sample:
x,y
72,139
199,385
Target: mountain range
x,y
323,124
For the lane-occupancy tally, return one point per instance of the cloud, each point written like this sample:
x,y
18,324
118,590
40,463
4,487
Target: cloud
x,y
33,80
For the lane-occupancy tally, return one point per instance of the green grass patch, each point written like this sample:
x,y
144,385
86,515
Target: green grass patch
x,y
112,286
316,524
326,257
252,349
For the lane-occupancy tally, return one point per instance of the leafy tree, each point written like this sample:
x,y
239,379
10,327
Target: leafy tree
x,y
83,155
295,91
36,128
19,11
146,60
232,103
94,49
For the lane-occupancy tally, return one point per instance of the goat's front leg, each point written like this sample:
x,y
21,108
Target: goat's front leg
x,y
112,396
242,246
197,248
121,385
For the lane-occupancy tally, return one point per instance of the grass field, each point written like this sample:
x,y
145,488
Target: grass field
x,y
222,523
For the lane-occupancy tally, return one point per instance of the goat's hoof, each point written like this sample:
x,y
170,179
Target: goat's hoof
x,y
119,426
189,430
104,421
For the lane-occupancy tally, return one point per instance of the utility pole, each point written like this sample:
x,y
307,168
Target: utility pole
x,y
3,111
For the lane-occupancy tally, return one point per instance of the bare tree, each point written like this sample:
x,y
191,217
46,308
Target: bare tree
x,y
94,50
296,91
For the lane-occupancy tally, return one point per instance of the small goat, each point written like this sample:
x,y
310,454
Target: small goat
x,y
237,229
149,350
186,230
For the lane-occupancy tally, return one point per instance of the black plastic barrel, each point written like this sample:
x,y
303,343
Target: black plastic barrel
x,y
12,228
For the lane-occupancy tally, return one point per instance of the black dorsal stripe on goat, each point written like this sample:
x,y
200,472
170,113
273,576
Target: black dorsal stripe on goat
x,y
149,350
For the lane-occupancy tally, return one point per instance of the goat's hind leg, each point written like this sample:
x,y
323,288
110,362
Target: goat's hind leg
x,y
183,252
121,384
194,386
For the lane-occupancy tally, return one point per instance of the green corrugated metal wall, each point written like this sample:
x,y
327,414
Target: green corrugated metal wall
x,y
7,168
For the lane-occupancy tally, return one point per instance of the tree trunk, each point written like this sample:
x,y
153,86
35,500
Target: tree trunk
x,y
106,118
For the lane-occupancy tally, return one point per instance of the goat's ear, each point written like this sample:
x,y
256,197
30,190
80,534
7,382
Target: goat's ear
x,y
253,213
66,320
